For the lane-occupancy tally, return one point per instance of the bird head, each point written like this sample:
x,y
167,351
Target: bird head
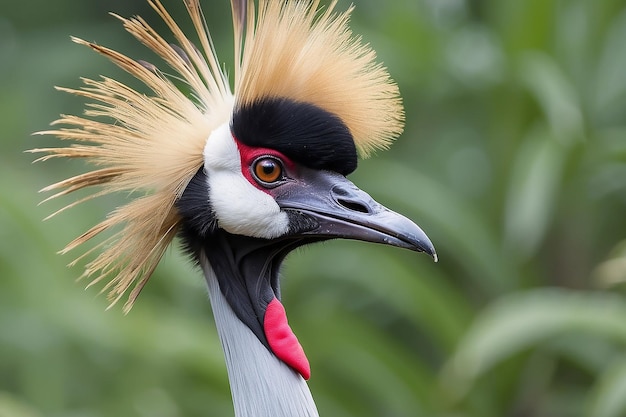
x,y
242,177
275,179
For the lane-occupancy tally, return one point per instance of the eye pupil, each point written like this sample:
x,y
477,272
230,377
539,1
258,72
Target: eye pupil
x,y
268,167
267,170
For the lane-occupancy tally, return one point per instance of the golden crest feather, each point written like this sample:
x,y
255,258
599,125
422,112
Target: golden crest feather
x,y
292,51
155,145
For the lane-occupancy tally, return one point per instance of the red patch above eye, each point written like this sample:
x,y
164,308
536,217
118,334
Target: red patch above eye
x,y
249,154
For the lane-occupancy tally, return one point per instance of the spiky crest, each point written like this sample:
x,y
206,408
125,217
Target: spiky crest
x,y
156,144
292,51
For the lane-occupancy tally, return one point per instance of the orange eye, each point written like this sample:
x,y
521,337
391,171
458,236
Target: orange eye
x,y
268,170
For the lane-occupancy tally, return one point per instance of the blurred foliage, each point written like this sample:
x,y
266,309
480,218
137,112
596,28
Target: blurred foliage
x,y
513,160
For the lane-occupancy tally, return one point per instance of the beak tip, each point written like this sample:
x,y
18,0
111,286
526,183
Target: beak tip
x,y
429,249
422,243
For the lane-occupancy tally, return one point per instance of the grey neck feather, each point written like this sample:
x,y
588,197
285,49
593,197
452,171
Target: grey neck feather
x,y
261,384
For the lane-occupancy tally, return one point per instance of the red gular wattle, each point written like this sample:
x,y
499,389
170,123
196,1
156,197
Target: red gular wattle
x,y
283,341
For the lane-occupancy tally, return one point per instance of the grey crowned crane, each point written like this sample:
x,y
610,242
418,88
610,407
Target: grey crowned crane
x,y
242,177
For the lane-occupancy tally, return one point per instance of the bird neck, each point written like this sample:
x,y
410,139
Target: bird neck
x,y
261,384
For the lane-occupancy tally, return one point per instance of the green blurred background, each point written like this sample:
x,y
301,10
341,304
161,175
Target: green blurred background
x,y
513,161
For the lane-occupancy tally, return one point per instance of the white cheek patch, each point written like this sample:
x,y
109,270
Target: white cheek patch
x,y
240,208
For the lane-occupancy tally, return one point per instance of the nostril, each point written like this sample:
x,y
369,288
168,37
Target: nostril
x,y
353,205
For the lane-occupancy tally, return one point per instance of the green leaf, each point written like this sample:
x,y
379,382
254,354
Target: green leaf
x,y
608,397
555,94
11,406
523,321
532,193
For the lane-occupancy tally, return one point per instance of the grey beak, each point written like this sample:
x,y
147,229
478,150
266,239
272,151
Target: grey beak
x,y
342,210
